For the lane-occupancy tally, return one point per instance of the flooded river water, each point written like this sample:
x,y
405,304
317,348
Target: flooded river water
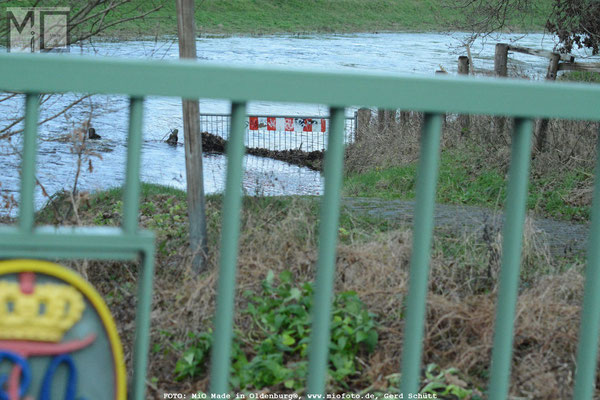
x,y
402,53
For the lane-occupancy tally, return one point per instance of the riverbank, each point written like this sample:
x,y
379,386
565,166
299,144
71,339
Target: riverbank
x,y
258,17
278,250
465,179
474,165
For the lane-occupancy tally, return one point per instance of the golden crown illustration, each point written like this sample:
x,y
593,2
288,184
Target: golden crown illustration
x,y
46,314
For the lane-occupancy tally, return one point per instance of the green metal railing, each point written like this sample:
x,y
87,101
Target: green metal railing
x,y
434,96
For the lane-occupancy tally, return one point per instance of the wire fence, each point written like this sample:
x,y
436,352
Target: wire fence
x,y
276,132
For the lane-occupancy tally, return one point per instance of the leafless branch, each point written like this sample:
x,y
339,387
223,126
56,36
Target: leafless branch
x,y
6,132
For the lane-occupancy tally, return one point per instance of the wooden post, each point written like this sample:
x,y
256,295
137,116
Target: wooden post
x,y
501,70
404,117
463,65
541,131
186,28
390,119
464,120
553,67
380,120
363,120
501,60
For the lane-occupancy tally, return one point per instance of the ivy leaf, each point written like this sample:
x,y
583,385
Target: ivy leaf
x,y
342,342
295,294
189,357
289,384
287,340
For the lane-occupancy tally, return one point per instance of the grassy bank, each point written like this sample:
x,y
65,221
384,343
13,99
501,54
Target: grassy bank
x,y
278,248
299,16
474,165
295,16
466,178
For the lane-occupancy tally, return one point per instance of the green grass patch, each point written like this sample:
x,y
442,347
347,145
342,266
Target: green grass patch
x,y
580,76
465,179
300,16
294,16
164,210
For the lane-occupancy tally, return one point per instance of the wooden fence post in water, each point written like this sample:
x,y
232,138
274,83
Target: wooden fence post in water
x,y
464,120
501,60
500,70
542,127
362,125
194,172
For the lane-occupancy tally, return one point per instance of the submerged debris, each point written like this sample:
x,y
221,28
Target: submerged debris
x,y
310,159
93,135
172,140
213,143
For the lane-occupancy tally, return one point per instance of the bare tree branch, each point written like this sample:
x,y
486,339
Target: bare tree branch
x,y
6,132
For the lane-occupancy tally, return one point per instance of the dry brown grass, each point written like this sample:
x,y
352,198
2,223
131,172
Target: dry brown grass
x,y
397,144
570,144
373,263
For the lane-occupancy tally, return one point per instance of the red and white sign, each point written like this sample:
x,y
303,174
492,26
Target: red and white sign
x,y
287,124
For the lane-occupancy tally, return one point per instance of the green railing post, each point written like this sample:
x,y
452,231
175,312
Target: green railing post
x,y
142,323
585,375
223,333
328,234
512,239
27,201
419,264
131,193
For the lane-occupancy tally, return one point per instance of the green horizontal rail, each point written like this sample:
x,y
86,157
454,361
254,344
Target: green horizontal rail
x,y
107,243
34,74
189,79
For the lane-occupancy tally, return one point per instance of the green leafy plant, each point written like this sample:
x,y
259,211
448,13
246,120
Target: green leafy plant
x,y
445,382
276,343
194,358
438,382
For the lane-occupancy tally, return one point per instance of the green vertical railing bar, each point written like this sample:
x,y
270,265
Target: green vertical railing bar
x,y
131,194
142,323
512,239
585,375
26,204
223,333
328,233
419,264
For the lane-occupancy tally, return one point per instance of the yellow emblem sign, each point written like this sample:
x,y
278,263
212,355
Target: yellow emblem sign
x,y
57,337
